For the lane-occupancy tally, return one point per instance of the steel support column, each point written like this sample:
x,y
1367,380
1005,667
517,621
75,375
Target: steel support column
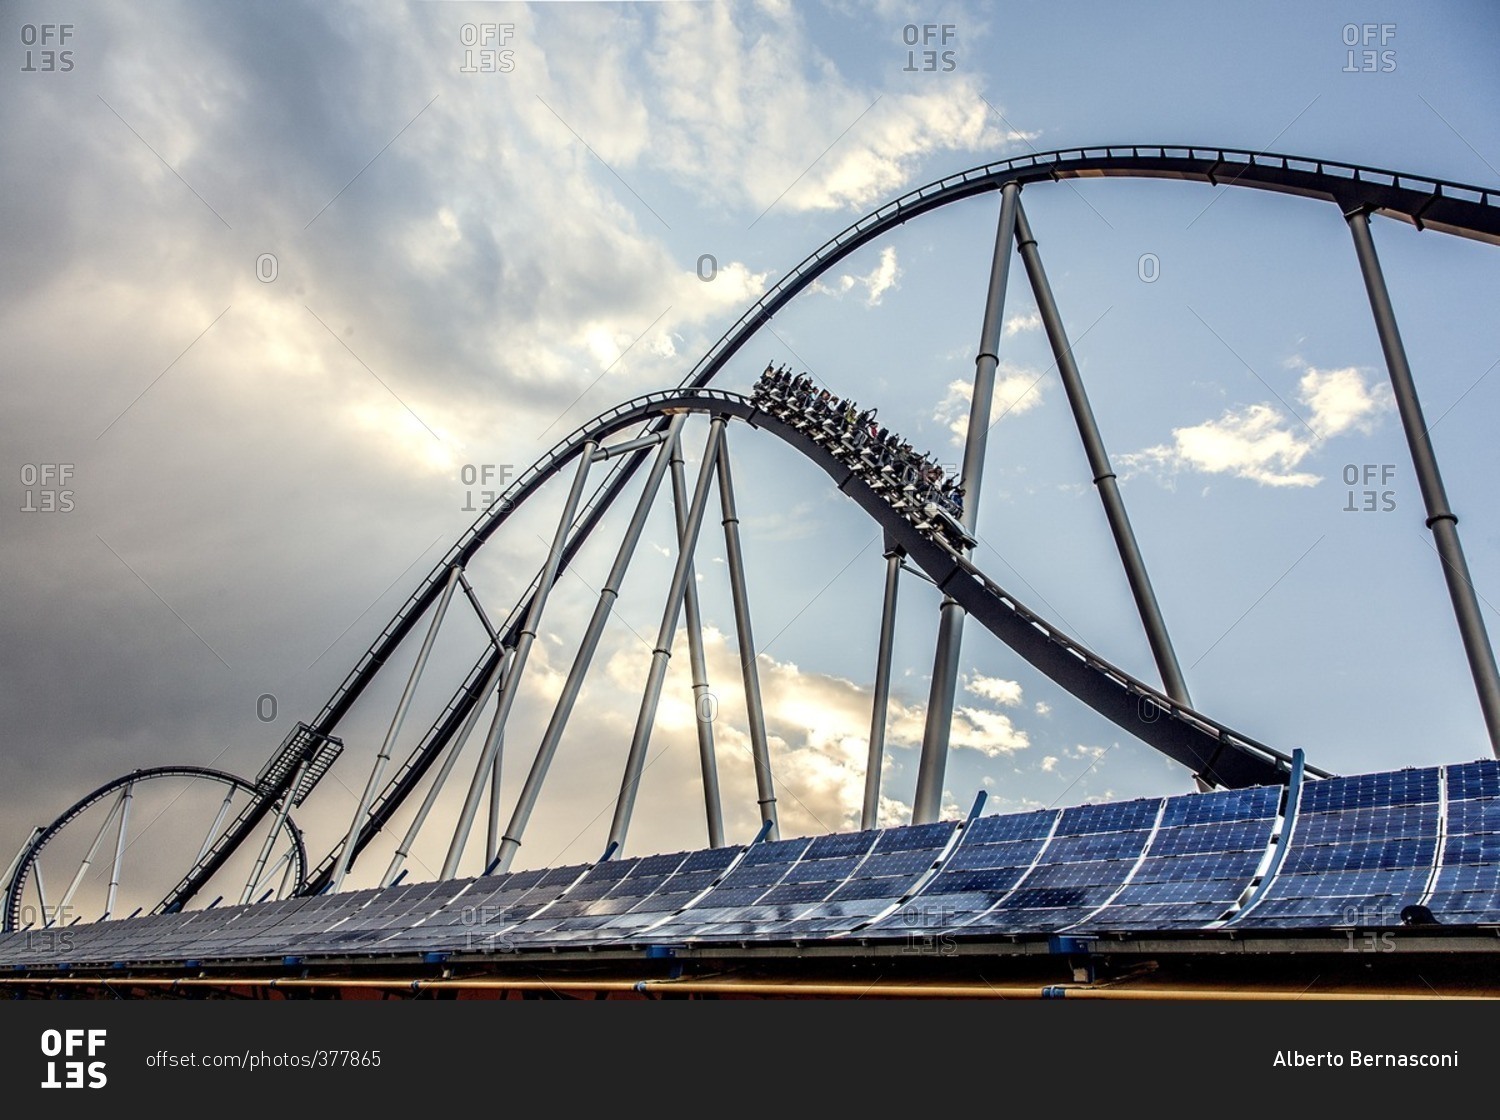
x,y
282,811
870,815
524,640
1104,475
760,750
713,806
927,803
531,790
635,762
88,859
461,740
41,893
213,829
492,826
10,871
114,873
1440,519
347,853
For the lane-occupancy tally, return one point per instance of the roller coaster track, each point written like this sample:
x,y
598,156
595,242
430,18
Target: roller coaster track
x,y
1217,753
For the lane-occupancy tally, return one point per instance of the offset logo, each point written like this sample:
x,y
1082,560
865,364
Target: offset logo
x,y
74,1048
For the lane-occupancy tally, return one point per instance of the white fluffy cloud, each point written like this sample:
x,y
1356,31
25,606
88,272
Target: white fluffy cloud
x,y
745,106
1260,442
879,280
1030,321
998,689
1017,390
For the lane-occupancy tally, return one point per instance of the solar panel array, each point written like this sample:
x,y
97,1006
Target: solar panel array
x,y
1356,851
1466,888
1361,850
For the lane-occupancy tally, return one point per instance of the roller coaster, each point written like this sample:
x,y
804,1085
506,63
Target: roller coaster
x,y
253,852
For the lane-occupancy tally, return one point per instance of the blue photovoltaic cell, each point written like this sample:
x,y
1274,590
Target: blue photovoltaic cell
x,y
1220,892
1021,826
842,844
911,862
1097,873
755,875
733,896
1456,902
891,888
1238,836
1370,790
690,882
1340,884
1474,816
1198,868
1392,822
775,851
930,836
1095,846
823,870
797,892
1019,853
1474,779
1388,855
710,859
1225,805
954,882
1472,877
1110,817
559,877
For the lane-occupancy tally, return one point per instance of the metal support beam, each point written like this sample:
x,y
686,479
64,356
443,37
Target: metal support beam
x,y
870,815
531,790
10,871
635,762
282,811
461,740
765,786
524,641
708,765
114,873
346,855
88,858
1104,475
282,861
1440,519
41,894
484,619
927,803
492,826
213,829
618,449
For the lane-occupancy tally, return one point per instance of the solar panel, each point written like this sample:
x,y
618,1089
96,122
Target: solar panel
x,y
1223,805
1361,848
1020,826
1371,790
1109,817
842,844
928,836
1474,779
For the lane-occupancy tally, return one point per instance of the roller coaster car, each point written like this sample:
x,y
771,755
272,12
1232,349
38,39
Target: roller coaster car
x,y
945,525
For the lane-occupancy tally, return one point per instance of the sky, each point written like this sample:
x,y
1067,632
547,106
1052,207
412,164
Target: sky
x,y
288,283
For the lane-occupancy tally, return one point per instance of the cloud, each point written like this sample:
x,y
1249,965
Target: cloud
x,y
1017,390
879,280
746,107
1261,442
1030,321
995,688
